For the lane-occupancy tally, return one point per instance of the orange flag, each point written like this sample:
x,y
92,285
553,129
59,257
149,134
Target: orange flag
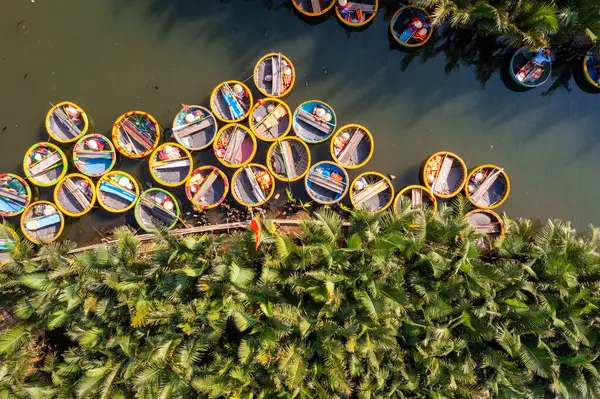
x,y
256,226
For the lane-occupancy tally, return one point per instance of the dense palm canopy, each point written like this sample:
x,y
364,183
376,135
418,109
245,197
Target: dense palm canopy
x,y
383,308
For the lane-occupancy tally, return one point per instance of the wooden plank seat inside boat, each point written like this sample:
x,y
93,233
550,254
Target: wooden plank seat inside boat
x,y
252,185
352,146
66,122
44,164
444,174
371,191
326,182
231,101
313,8
15,195
487,186
42,222
274,75
194,127
207,187
157,209
234,145
94,155
136,134
171,164
75,195
488,223
117,192
419,197
314,121
288,159
271,119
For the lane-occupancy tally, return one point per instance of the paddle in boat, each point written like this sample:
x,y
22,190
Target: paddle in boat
x,y
194,127
15,195
234,145
410,26
171,164
591,68
45,164
288,159
117,192
9,241
270,119
231,101
487,223
326,182
419,198
136,134
352,146
42,222
314,121
66,122
313,8
487,186
157,209
252,185
75,195
356,13
207,187
94,155
371,191
529,68
274,75
444,174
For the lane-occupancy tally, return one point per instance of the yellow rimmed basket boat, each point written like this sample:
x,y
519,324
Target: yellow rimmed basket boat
x,y
274,75
489,224
444,174
288,159
411,27
207,187
235,145
66,122
42,222
371,191
136,134
171,164
231,101
591,68
271,119
313,8
194,127
252,185
94,155
75,195
420,197
314,121
117,191
157,209
327,182
352,146
356,13
45,164
487,186
9,243
15,195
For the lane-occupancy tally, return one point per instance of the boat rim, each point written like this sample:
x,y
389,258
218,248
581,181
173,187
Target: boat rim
x,y
488,166
255,107
395,17
116,134
135,186
371,149
309,191
489,212
63,209
512,72
138,205
263,92
107,141
276,175
586,72
225,191
187,154
387,180
322,103
57,149
214,92
29,195
86,122
238,172
460,186
314,14
210,113
410,187
24,231
248,132
358,24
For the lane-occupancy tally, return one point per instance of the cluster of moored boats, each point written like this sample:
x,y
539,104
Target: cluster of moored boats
x,y
138,135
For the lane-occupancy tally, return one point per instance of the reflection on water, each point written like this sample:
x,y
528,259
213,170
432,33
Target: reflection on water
x,y
112,56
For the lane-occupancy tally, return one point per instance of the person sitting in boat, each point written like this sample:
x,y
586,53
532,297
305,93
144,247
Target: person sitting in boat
x,y
421,34
542,56
73,113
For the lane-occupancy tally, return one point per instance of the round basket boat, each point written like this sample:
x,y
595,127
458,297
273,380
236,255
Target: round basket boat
x,y
410,26
75,195
171,164
326,182
234,145
529,68
489,224
270,119
194,127
9,242
66,122
117,191
42,222
15,195
231,101
313,8
357,13
274,75
591,68
94,155
136,134
45,164
288,159
444,174
420,197
371,191
207,187
352,146
157,209
252,185
314,121
487,186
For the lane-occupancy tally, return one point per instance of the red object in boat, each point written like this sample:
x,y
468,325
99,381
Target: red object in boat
x,y
256,227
